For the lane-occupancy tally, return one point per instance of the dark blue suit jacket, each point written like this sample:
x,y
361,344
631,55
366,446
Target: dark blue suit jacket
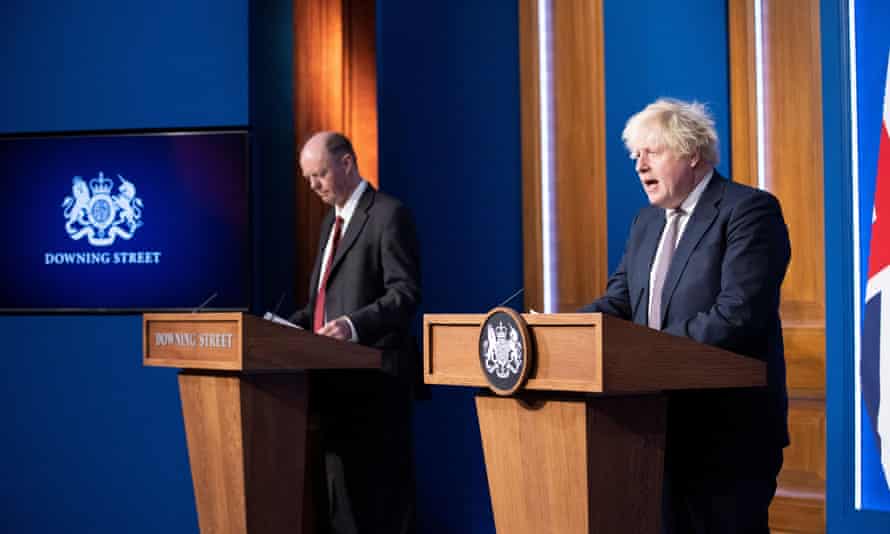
x,y
722,289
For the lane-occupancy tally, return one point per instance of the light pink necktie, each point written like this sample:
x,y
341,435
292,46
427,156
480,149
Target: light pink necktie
x,y
669,244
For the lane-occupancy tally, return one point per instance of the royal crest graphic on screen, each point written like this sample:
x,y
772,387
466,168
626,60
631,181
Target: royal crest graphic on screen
x,y
124,221
98,215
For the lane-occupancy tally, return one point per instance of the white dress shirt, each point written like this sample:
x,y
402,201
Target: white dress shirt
x,y
344,213
688,206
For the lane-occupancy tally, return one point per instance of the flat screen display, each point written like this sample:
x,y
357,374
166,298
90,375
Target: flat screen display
x,y
125,221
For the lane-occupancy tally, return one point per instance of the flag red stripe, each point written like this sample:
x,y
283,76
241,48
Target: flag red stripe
x,y
879,251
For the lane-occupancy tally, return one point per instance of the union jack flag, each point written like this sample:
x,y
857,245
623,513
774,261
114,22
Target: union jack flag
x,y
875,364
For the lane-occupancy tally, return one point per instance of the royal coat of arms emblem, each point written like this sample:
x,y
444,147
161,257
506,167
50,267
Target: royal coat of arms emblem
x,y
504,352
92,211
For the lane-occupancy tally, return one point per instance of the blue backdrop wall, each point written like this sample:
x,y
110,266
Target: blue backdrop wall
x,y
450,148
93,441
94,64
649,51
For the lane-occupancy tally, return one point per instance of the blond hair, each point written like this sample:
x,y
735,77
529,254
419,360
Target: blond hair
x,y
686,128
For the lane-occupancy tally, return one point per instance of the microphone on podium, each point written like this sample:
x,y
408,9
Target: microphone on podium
x,y
511,297
206,302
275,318
280,300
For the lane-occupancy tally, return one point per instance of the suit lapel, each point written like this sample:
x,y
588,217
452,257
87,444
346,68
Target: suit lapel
x,y
702,218
356,225
324,235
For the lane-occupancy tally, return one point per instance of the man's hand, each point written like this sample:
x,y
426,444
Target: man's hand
x,y
337,329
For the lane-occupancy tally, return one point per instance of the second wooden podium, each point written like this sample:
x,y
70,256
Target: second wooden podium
x,y
244,390
580,449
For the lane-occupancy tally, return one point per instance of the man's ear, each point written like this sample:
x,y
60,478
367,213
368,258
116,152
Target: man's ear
x,y
347,161
694,160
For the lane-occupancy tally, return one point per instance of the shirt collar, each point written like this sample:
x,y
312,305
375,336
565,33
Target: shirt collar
x,y
689,204
349,208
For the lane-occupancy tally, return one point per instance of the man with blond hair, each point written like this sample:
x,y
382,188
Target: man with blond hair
x,y
706,261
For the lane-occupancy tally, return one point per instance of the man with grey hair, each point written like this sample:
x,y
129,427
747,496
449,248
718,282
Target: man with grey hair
x,y
365,288
706,261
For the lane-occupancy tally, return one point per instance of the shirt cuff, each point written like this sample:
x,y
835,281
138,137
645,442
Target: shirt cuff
x,y
353,336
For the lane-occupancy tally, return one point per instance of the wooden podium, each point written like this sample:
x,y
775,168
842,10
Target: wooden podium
x,y
580,448
244,391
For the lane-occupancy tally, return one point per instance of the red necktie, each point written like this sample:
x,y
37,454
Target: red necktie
x,y
318,315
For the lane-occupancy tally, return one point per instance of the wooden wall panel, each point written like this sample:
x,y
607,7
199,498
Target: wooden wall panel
x,y
793,156
805,357
799,505
805,463
743,92
360,83
530,117
578,152
794,149
335,88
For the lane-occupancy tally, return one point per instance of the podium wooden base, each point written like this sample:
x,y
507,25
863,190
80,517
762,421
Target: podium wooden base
x,y
245,401
581,449
247,448
574,466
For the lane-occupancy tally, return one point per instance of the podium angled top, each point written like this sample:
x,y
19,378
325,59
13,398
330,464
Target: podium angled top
x,y
588,353
236,341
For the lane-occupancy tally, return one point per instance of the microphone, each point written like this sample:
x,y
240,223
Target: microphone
x,y
206,302
511,297
275,318
280,300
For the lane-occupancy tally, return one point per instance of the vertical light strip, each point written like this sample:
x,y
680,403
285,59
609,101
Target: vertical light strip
x,y
857,293
548,225
759,94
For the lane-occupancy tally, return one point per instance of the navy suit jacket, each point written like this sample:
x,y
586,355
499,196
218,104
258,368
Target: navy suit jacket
x,y
722,289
